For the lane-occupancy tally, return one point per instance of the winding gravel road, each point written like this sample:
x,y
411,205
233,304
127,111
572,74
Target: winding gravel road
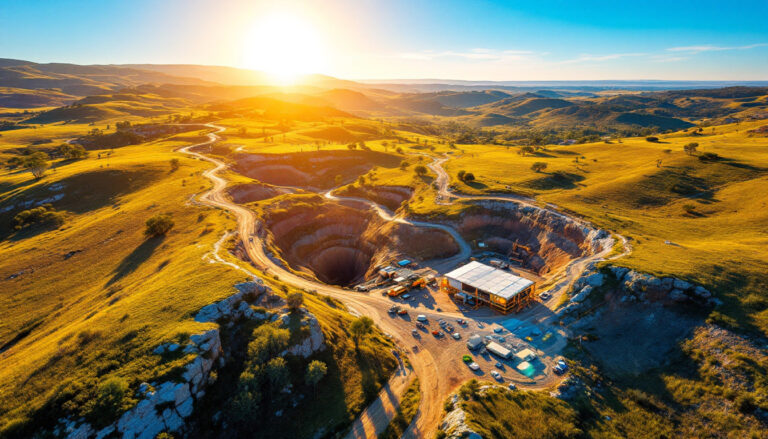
x,y
436,362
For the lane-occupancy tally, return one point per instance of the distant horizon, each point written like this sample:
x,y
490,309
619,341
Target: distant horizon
x,y
426,80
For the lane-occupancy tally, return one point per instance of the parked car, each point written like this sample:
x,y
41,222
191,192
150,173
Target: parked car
x,y
406,296
403,312
420,325
562,365
512,386
474,366
498,330
466,359
496,375
545,296
415,333
456,335
501,339
558,370
394,309
436,333
499,365
421,318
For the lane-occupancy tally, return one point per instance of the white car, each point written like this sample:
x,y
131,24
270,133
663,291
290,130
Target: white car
x,y
456,335
474,366
421,318
496,375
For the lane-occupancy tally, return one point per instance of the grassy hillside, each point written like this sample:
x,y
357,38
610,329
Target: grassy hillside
x,y
696,219
88,300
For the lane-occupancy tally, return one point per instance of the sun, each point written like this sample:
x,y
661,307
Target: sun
x,y
284,46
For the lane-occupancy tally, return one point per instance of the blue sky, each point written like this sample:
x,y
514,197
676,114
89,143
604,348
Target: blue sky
x,y
491,40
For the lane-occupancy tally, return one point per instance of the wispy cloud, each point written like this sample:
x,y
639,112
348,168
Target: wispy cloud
x,y
605,57
712,48
480,54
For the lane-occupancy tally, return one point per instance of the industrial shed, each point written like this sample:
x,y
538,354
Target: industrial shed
x,y
499,289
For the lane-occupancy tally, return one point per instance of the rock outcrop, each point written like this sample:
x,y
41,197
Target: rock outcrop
x,y
454,424
313,342
165,406
636,286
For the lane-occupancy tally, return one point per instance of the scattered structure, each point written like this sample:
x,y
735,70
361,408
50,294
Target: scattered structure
x,y
474,342
498,350
501,290
525,355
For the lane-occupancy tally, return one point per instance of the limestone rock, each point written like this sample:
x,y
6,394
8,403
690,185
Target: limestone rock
x,y
681,284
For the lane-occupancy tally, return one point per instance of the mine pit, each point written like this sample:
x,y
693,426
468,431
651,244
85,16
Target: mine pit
x,y
342,245
535,239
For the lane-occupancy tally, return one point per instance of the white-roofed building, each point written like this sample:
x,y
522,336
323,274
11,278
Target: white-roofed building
x,y
499,289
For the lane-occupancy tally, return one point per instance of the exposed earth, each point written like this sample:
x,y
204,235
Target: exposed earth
x,y
347,242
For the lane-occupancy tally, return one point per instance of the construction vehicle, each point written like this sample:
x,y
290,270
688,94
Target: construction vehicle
x,y
419,283
517,254
396,291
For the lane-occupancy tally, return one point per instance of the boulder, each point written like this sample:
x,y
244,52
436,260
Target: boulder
x,y
702,292
681,284
667,283
582,295
678,295
595,280
619,272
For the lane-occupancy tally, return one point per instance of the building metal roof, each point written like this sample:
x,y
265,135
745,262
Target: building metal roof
x,y
491,280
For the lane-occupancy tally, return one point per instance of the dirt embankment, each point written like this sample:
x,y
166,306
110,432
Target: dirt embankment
x,y
312,169
389,196
341,245
250,192
553,239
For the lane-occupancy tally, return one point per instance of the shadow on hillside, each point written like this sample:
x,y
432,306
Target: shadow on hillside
x,y
137,257
555,180
476,184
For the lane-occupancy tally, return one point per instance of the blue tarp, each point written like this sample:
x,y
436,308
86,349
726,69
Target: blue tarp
x,y
404,262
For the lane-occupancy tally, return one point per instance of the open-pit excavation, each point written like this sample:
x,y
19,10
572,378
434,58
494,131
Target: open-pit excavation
x,y
324,243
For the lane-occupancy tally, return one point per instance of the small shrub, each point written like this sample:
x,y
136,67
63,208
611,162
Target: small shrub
x,y
158,225
294,301
538,166
469,177
745,403
44,215
709,157
652,139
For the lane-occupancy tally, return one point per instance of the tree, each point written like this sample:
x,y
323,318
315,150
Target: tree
x,y
276,370
420,170
360,327
461,174
294,301
37,164
469,177
174,165
72,152
652,139
539,166
526,150
691,148
158,225
315,372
